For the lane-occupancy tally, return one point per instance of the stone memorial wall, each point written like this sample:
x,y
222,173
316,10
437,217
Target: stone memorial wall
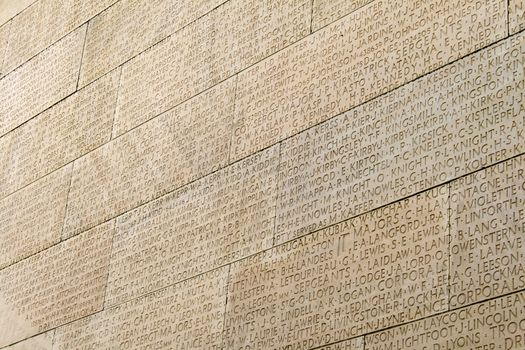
x,y
252,175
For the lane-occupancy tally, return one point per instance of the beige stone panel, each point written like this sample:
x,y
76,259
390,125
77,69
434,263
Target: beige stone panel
x,y
46,22
218,219
4,37
488,115
41,82
10,8
377,48
385,267
183,144
71,128
31,219
353,344
131,26
203,105
40,342
188,315
461,118
493,325
207,51
516,15
56,286
327,11
488,233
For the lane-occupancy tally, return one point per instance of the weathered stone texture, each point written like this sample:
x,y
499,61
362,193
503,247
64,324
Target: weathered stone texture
x,y
516,15
370,52
354,344
262,174
131,26
207,51
10,8
66,131
416,137
45,22
188,315
40,82
488,233
31,219
213,221
182,145
325,12
495,324
40,342
386,267
4,37
56,286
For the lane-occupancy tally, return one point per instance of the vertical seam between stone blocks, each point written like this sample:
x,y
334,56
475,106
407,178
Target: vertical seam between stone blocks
x,y
508,17
277,177
82,55
449,185
112,134
104,301
57,40
311,16
64,217
225,305
233,119
53,338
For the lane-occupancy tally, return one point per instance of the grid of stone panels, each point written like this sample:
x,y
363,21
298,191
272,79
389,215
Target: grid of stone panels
x,y
237,174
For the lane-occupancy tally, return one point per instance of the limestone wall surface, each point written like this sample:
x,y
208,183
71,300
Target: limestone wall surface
x,y
262,174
